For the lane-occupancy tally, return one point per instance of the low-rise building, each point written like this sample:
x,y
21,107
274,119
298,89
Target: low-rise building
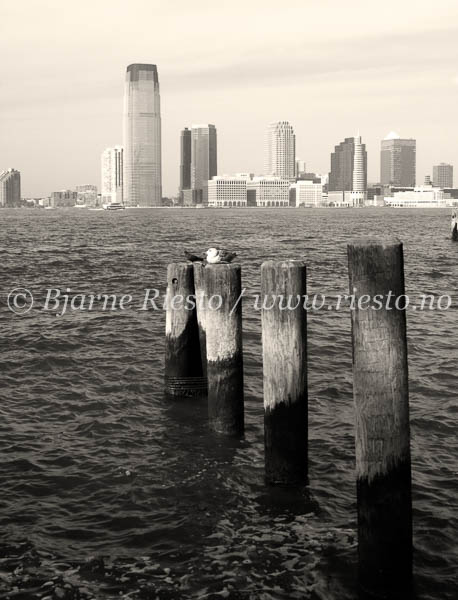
x,y
268,191
346,199
63,199
227,191
309,193
86,195
419,197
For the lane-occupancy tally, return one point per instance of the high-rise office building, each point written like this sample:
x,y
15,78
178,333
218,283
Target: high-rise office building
x,y
349,170
443,175
203,162
185,160
10,188
398,161
112,164
280,151
142,137
359,166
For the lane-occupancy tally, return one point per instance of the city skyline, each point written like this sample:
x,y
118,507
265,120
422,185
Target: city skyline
x,y
70,103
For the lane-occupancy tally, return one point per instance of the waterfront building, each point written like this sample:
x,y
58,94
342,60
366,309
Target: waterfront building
x,y
419,197
348,175
10,188
268,191
203,163
86,195
112,163
398,161
227,191
443,175
346,199
142,137
63,199
308,193
280,151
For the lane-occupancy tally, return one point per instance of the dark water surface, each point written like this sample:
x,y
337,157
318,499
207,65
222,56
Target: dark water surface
x,y
95,462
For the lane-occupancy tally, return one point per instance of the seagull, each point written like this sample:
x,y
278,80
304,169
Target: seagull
x,y
193,257
219,255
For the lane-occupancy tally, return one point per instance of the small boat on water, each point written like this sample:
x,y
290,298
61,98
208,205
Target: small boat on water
x,y
115,206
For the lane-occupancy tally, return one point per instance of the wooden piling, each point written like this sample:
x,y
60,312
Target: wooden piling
x,y
284,350
223,325
200,308
183,365
381,402
454,226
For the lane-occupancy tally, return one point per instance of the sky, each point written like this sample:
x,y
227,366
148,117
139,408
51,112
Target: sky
x,y
332,68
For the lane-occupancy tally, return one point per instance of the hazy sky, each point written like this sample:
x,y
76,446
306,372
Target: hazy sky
x,y
330,67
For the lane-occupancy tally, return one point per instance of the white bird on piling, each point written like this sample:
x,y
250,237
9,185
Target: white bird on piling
x,y
219,255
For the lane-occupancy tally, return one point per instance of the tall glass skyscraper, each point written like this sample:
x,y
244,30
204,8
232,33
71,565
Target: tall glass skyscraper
x,y
398,161
185,160
348,176
349,166
142,137
204,160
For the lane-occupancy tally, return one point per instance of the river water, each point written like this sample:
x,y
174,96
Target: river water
x,y
94,462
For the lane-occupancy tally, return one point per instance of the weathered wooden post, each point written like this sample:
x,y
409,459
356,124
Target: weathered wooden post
x,y
223,324
284,351
381,400
183,365
200,308
455,227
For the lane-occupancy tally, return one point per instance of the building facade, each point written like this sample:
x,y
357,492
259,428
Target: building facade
x,y
63,199
142,137
280,151
204,162
10,188
346,199
419,197
268,191
86,195
112,164
398,161
227,191
349,170
309,193
185,160
443,175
